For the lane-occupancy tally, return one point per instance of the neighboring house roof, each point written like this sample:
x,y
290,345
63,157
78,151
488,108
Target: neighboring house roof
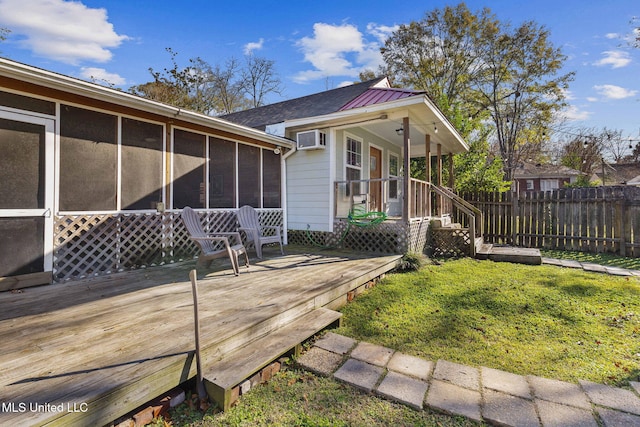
x,y
618,173
540,170
317,104
634,181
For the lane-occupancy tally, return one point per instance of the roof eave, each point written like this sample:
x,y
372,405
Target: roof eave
x,y
75,86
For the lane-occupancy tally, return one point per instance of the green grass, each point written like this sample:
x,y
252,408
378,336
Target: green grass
x,y
557,323
294,398
602,258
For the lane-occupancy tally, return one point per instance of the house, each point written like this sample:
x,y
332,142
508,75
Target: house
x,y
352,148
543,177
618,173
93,178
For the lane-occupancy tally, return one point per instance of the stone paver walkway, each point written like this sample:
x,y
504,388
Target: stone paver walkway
x,y
587,266
481,394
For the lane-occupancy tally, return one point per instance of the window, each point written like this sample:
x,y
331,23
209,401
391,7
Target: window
x,y
529,184
88,160
222,173
142,164
394,162
353,162
188,169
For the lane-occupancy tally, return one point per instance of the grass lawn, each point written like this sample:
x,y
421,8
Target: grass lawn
x,y
542,320
294,398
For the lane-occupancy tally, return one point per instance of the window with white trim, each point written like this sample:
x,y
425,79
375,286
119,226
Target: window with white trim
x,y
353,163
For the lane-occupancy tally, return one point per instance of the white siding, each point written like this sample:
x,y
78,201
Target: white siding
x,y
308,190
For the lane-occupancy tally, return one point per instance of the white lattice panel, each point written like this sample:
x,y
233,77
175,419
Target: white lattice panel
x,y
92,245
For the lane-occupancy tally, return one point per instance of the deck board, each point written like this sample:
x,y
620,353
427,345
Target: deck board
x,y
116,342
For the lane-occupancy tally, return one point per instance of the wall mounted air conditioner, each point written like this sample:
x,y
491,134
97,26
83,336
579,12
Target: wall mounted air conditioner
x,y
312,140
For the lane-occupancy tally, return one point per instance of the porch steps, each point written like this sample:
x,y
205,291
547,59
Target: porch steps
x,y
222,378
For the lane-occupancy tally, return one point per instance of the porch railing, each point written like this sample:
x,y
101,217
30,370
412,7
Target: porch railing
x,y
426,200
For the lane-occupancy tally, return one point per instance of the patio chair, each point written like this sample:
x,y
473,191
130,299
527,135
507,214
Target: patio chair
x,y
248,219
213,245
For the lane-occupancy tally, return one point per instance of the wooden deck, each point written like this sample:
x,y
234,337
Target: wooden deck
x,y
88,352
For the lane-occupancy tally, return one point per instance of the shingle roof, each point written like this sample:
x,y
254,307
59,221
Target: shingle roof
x,y
316,104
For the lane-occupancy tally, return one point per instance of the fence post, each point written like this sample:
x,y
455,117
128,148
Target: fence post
x,y
515,213
621,224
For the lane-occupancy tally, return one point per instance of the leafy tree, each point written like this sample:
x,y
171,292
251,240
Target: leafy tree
x,y
500,77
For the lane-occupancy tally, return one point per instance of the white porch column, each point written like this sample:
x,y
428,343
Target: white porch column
x,y
406,184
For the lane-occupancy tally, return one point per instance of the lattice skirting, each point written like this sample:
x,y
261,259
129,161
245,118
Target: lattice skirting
x,y
93,245
387,237
449,242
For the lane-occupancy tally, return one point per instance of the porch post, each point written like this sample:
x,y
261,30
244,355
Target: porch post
x,y
406,184
427,170
451,177
439,175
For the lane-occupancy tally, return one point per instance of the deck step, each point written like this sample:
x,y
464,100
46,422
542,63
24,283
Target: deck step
x,y
530,256
224,375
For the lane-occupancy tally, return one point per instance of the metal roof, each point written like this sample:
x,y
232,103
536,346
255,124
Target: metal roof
x,y
375,96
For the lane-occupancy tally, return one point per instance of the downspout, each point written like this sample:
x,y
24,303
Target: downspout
x,y
283,189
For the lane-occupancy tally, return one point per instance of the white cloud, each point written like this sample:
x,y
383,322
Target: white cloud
x,y
101,76
340,50
65,31
614,92
615,58
592,99
573,113
612,35
251,46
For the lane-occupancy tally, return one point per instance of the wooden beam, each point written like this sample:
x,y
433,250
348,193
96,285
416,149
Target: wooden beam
x,y
406,183
451,177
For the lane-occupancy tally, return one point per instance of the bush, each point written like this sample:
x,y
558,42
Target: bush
x,y
411,261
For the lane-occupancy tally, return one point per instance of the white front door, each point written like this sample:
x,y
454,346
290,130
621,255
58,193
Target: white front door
x,y
26,200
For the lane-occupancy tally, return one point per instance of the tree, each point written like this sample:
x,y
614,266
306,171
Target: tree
x,y
212,90
476,66
4,32
259,78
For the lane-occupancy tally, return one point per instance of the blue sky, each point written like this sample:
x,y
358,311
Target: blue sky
x,y
315,45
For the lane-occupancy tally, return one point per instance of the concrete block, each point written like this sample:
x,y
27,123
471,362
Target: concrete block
x,y
507,410
410,365
371,353
245,386
320,361
359,374
336,343
505,382
635,385
403,389
557,415
559,392
612,397
612,418
460,375
454,400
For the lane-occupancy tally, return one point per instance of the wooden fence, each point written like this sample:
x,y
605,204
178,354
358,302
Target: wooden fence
x,y
600,219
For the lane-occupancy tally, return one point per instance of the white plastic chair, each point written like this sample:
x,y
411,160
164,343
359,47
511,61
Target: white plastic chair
x,y
249,223
213,245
